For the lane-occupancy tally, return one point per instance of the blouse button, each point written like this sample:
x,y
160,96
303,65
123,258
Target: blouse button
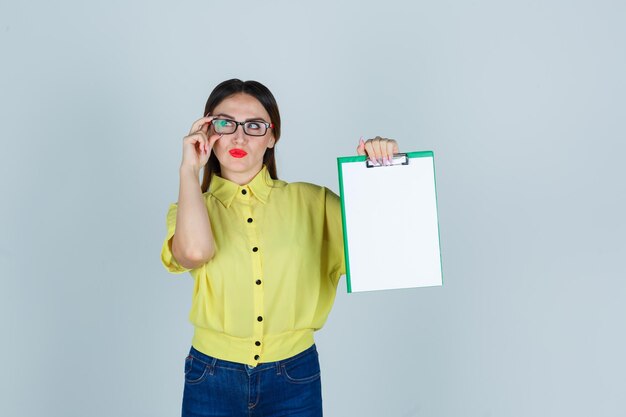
x,y
258,282
250,220
257,343
260,318
244,192
255,249
256,357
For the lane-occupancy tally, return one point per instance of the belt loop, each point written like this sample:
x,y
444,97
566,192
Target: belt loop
x,y
277,367
212,366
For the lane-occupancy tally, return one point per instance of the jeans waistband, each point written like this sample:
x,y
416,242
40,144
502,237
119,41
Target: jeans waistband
x,y
221,363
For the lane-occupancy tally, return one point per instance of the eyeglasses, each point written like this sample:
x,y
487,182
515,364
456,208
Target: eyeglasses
x,y
252,128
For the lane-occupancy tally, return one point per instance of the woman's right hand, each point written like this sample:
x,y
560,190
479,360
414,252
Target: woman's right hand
x,y
197,144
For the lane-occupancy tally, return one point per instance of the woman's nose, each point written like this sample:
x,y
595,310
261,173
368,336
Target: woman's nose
x,y
239,136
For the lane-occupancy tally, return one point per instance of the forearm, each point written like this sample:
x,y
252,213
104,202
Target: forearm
x,y
193,243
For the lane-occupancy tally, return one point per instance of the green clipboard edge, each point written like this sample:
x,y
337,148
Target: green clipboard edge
x,y
362,158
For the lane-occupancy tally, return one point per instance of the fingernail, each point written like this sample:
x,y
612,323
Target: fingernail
x,y
374,161
380,161
362,142
386,162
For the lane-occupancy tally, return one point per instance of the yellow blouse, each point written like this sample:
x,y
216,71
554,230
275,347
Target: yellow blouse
x,y
273,279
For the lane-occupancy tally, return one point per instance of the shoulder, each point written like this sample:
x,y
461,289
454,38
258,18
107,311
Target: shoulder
x,y
308,189
305,187
311,195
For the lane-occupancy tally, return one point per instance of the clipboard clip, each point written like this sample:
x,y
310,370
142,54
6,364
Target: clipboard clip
x,y
397,159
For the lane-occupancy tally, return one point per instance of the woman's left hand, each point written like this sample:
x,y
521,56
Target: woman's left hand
x,y
379,150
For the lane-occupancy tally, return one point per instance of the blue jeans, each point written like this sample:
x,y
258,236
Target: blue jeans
x,y
214,387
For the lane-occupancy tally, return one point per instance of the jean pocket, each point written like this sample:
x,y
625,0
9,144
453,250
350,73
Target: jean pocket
x,y
302,370
195,370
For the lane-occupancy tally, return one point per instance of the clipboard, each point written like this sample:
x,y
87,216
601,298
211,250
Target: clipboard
x,y
390,222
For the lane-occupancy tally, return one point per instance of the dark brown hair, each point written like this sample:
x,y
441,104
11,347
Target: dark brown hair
x,y
260,92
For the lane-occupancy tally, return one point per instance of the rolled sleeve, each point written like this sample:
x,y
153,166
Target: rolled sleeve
x,y
167,257
333,239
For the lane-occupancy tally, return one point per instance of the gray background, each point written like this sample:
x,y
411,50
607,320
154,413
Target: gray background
x,y
522,102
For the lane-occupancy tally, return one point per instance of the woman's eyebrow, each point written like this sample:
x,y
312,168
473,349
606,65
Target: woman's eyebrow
x,y
251,119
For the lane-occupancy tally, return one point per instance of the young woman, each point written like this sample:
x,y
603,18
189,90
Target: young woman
x,y
265,255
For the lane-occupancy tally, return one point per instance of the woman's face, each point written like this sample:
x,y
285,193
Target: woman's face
x,y
241,155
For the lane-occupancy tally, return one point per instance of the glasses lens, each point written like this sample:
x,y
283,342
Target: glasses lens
x,y
223,126
255,128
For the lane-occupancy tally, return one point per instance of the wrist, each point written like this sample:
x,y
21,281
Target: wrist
x,y
186,170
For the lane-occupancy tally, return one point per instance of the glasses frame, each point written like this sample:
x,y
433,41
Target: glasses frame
x,y
243,126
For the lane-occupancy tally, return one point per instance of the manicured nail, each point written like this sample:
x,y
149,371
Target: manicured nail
x,y
361,141
374,161
386,162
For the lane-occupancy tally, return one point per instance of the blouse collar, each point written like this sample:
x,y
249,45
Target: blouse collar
x,y
225,190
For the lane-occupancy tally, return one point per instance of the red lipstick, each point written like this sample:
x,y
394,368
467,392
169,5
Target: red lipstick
x,y
237,153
